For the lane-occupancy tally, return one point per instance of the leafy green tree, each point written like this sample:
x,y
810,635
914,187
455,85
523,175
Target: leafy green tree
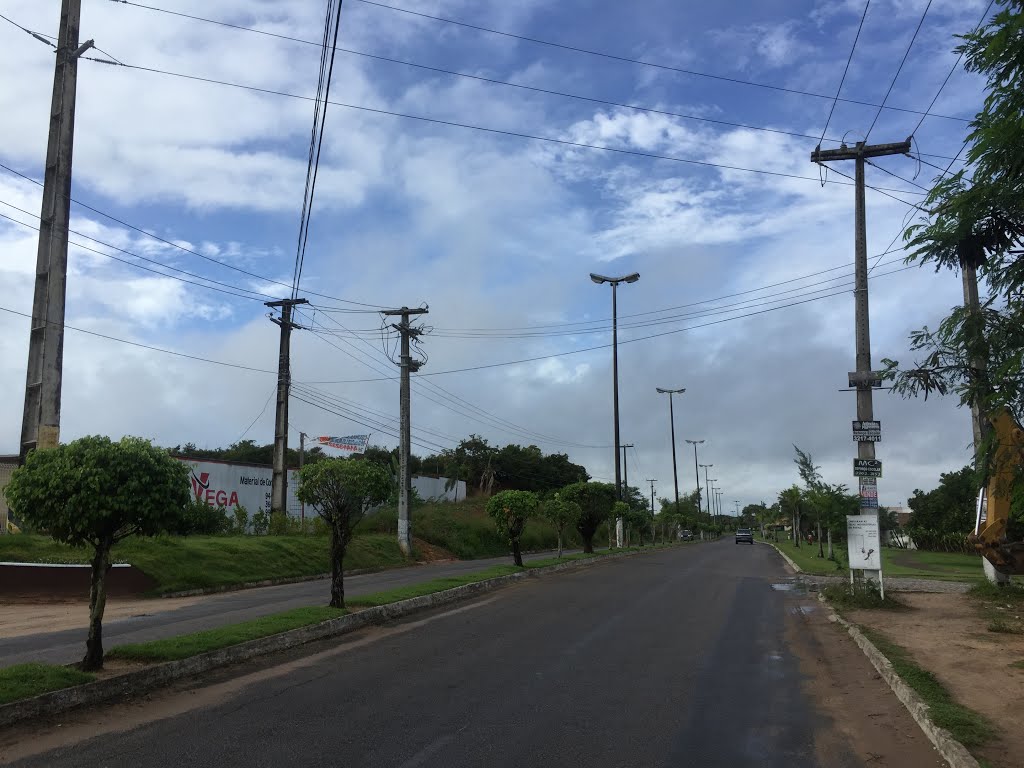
x,y
975,220
95,492
561,514
944,512
510,511
789,502
595,501
637,521
341,491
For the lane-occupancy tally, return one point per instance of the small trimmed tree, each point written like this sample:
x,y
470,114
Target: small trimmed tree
x,y
95,492
510,511
341,491
595,500
561,514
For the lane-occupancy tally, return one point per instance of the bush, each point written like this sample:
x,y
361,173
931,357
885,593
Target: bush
x,y
260,522
240,524
200,519
935,541
860,594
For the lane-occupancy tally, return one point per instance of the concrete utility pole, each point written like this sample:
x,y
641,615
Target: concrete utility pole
x,y
653,532
972,303
864,379
619,532
40,425
407,365
279,482
672,422
302,461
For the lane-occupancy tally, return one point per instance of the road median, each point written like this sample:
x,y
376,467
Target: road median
x,y
193,655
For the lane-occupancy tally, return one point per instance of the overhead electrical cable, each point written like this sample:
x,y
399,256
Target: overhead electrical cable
x,y
505,83
898,70
498,131
846,69
180,247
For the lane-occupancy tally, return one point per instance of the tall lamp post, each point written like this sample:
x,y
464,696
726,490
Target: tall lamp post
x,y
707,487
696,471
672,422
614,281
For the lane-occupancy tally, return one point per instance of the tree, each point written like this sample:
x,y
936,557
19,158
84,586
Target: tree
x,y
561,514
341,491
945,512
978,224
595,500
510,511
95,492
789,502
637,520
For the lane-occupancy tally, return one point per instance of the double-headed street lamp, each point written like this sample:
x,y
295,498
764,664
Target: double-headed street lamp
x,y
614,281
672,422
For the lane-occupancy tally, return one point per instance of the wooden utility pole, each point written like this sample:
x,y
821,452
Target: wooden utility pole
x,y
653,527
864,379
40,425
972,303
279,483
407,366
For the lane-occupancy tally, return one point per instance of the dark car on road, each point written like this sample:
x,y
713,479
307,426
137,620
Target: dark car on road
x,y
686,535
744,534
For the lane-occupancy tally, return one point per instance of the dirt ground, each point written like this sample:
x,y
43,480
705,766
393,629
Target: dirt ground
x,y
27,617
947,634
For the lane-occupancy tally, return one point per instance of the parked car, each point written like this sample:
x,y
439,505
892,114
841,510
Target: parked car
x,y
744,534
686,535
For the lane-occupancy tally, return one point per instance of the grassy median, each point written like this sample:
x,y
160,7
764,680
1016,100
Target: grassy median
x,y
23,681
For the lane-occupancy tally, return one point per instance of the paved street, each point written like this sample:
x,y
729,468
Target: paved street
x,y
696,656
217,610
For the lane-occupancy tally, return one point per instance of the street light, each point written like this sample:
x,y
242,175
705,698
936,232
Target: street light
x,y
707,487
614,281
696,472
672,422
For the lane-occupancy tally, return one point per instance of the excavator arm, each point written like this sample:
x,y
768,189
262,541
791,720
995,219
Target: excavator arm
x,y
989,537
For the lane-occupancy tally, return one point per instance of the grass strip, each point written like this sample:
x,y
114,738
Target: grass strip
x,y
184,646
23,681
845,597
967,726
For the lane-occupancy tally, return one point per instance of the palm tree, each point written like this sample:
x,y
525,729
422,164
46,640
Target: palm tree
x,y
789,501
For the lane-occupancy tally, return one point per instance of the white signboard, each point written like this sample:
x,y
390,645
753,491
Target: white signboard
x,y
863,544
221,484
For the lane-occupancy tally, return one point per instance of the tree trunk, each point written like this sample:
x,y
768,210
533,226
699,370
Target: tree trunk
x,y
821,552
588,545
97,603
337,575
559,542
828,535
517,556
796,530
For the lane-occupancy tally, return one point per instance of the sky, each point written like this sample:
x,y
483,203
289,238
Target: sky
x,y
745,292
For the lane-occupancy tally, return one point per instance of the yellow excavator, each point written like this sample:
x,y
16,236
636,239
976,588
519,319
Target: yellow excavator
x,y
1002,558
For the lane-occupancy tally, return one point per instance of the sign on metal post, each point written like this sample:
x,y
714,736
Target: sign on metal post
x,y
867,468
867,431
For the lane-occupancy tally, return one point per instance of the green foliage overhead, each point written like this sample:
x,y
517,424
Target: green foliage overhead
x,y
97,492
946,510
976,219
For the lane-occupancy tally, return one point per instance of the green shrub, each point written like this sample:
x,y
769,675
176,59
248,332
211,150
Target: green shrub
x,y
240,520
201,519
260,522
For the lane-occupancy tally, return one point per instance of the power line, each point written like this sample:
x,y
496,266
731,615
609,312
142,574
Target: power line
x,y
898,70
183,248
606,346
952,69
846,69
484,129
40,37
253,422
316,140
629,60
147,346
235,290
496,81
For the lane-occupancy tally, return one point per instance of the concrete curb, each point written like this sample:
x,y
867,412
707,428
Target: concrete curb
x,y
954,753
133,683
785,557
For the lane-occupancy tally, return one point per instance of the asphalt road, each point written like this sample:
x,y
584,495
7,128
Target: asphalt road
x,y
684,657
67,646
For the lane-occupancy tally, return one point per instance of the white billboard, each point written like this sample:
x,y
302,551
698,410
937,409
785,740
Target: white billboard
x,y
863,544
224,484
